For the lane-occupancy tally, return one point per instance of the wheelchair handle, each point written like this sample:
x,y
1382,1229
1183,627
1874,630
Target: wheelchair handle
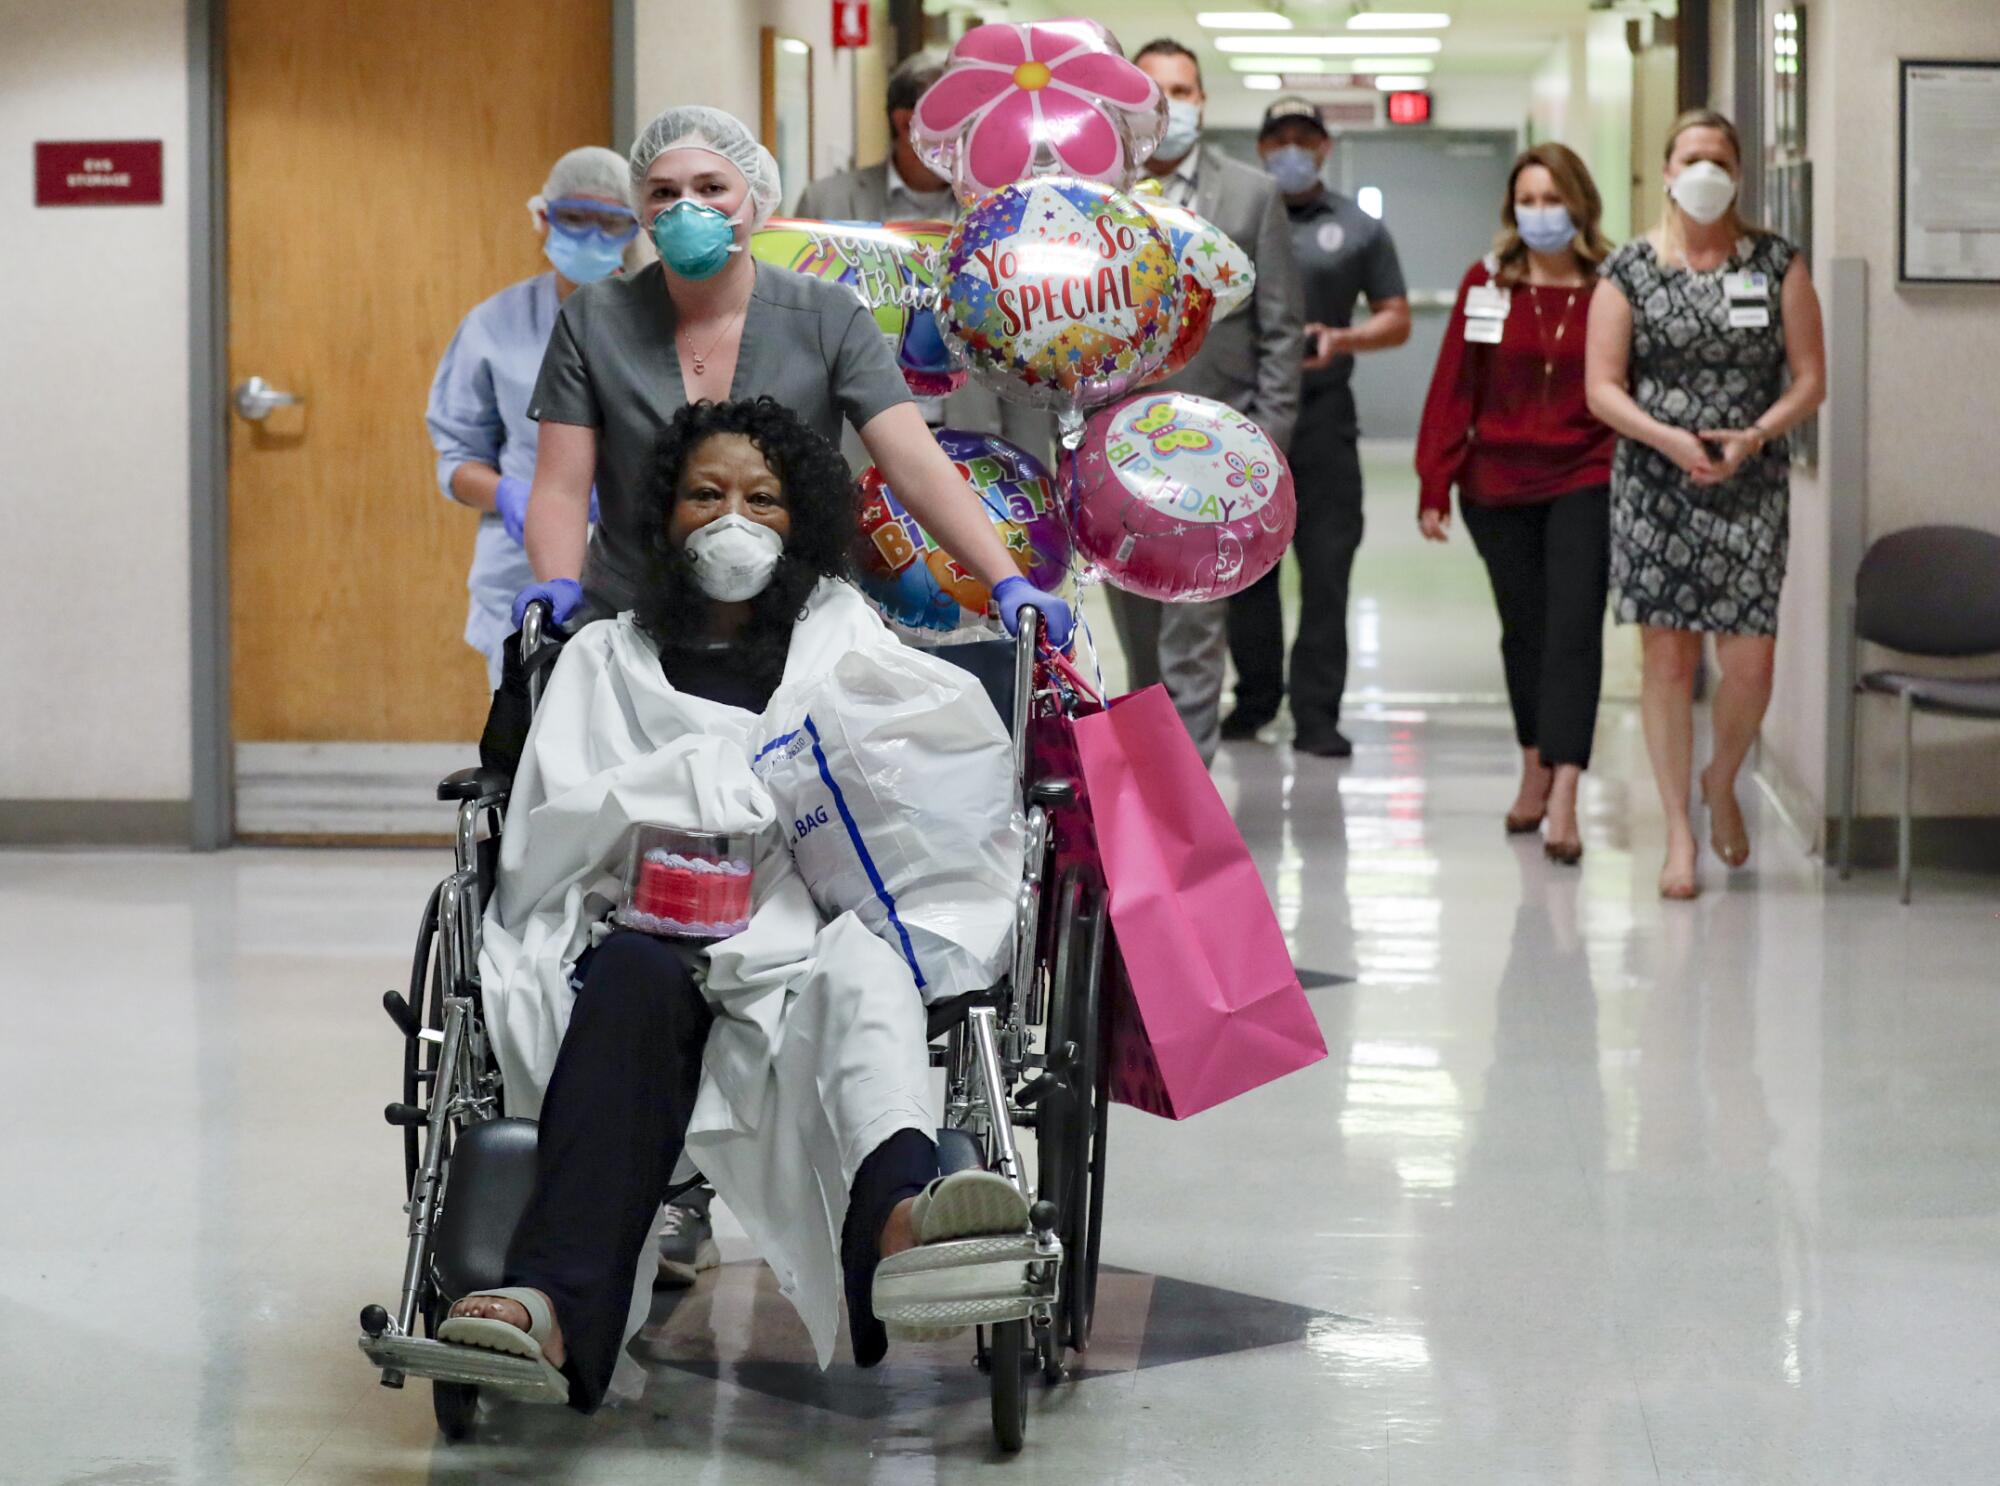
x,y
534,623
1027,640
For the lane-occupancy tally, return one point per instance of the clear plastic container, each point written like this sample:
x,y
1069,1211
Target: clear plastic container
x,y
686,884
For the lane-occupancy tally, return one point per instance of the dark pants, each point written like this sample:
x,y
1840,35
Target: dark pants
x,y
1326,471
1549,564
611,1132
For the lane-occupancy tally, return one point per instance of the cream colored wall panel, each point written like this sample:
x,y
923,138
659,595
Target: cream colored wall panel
x,y
93,426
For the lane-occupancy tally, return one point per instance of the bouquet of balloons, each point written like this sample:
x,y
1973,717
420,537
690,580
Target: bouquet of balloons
x,y
1063,285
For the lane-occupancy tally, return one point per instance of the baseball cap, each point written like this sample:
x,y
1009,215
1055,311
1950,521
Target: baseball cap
x,y
1287,110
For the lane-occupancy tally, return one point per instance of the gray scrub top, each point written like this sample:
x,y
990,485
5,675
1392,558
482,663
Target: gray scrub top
x,y
612,366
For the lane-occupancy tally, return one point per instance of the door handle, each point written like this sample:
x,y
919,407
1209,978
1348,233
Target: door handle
x,y
256,399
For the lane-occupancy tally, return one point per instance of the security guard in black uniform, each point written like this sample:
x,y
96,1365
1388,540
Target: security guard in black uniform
x,y
1342,254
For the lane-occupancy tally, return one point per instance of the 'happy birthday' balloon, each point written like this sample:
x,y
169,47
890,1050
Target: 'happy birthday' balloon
x,y
892,268
1179,497
920,586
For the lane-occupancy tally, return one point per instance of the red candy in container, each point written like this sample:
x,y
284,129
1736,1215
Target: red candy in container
x,y
686,884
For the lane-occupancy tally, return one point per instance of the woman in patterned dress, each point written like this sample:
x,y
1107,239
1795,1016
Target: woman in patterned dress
x,y
1704,350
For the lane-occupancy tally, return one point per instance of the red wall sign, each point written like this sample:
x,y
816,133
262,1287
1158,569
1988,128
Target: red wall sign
x,y
850,23
1409,108
97,172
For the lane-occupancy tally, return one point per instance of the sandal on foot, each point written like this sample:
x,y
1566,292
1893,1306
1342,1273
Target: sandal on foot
x,y
494,1335
964,1205
968,1204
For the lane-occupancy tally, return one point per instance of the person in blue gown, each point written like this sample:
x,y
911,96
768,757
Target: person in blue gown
x,y
478,413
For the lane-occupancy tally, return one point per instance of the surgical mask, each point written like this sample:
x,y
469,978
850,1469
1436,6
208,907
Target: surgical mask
x,y
734,557
1545,229
695,241
1703,190
583,258
1294,167
1183,129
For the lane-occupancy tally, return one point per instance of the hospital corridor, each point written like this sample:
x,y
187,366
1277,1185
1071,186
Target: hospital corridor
x,y
899,741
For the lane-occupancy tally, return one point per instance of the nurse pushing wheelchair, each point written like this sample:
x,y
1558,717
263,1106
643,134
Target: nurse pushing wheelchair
x,y
771,1020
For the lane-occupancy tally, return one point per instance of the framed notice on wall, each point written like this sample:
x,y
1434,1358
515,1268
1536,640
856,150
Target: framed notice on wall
x,y
1948,187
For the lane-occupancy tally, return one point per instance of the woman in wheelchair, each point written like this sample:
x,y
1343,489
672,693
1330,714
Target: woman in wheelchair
x,y
790,1061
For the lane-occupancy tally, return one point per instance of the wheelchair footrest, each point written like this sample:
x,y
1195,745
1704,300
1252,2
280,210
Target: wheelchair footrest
x,y
968,1282
420,1357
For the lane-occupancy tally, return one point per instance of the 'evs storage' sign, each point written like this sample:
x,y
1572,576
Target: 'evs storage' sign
x,y
97,172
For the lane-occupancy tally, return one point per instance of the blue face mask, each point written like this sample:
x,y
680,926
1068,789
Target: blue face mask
x,y
1183,129
583,258
1545,229
1294,167
695,241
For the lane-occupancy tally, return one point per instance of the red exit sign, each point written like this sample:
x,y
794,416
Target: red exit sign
x,y
97,172
1409,108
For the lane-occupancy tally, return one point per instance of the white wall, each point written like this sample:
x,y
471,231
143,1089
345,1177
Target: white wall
x,y
708,51
1933,439
1497,101
1581,96
94,414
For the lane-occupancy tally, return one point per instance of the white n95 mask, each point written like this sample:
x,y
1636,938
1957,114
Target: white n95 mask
x,y
733,558
1703,190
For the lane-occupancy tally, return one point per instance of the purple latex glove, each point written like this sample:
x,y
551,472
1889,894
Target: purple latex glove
x,y
510,499
1017,593
564,597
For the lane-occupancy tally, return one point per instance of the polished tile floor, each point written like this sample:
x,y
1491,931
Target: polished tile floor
x,y
1592,1188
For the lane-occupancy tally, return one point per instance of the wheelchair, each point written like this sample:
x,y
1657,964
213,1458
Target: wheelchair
x,y
1027,1053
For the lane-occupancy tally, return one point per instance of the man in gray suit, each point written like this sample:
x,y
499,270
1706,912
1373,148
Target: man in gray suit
x,y
1249,361
903,189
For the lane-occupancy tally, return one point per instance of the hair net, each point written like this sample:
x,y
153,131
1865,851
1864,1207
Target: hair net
x,y
589,171
695,127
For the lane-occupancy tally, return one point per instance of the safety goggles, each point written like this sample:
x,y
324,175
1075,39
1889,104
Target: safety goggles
x,y
576,216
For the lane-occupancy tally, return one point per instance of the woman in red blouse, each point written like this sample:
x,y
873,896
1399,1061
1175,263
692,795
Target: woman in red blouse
x,y
1507,424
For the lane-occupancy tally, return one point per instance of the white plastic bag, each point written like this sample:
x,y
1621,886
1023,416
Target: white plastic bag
x,y
894,784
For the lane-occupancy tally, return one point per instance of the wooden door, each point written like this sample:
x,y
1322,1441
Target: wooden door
x,y
379,158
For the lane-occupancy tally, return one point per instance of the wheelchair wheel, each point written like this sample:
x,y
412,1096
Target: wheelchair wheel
x,y
455,1405
1010,1385
1069,1125
423,971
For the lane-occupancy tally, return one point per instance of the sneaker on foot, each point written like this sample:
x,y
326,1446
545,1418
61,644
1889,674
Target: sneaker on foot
x,y
687,1239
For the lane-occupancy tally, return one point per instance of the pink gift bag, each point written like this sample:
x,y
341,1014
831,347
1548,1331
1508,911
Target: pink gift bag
x,y
1208,1005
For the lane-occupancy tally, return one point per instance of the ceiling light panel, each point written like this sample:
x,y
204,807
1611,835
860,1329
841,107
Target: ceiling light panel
x,y
1398,20
1331,46
1243,20
1280,64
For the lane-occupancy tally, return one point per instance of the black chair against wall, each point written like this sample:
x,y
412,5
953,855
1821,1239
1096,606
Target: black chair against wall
x,y
1934,592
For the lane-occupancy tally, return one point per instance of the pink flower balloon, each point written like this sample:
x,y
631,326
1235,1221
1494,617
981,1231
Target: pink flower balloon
x,y
1041,98
1179,497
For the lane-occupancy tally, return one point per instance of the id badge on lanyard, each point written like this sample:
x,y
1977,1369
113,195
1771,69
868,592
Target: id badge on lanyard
x,y
1486,309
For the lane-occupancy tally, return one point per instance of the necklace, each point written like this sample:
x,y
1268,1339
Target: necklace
x,y
700,358
1549,348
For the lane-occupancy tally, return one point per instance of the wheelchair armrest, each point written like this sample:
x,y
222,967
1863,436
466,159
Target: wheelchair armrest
x,y
474,784
944,1015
